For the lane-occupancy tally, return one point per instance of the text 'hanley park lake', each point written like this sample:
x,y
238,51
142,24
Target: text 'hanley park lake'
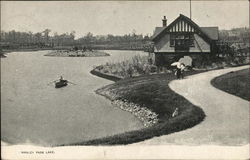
x,y
36,113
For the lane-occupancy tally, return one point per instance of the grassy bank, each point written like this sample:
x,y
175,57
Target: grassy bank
x,y
236,83
67,53
153,93
143,65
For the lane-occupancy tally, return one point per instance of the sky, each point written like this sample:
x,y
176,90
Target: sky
x,y
117,17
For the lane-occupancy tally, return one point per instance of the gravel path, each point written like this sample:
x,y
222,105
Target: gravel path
x,y
227,116
227,123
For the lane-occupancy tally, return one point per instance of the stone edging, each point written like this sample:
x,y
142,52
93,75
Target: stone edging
x,y
146,116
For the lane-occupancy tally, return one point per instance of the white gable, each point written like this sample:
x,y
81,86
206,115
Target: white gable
x,y
182,26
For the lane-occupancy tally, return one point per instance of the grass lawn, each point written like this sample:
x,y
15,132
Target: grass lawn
x,y
153,92
236,83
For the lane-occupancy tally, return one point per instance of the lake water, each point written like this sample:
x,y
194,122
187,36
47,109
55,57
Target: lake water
x,y
36,113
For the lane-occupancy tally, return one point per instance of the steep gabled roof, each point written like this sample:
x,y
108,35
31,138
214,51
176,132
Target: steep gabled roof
x,y
212,32
206,33
157,31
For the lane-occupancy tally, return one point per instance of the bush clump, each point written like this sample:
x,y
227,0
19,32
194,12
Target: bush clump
x,y
137,65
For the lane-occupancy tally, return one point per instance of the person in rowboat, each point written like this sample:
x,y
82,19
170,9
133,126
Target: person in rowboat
x,y
62,80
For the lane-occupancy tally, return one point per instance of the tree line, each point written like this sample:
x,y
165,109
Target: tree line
x,y
239,35
15,39
45,39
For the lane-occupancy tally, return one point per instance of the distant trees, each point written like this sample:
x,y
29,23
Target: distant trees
x,y
235,35
233,41
15,39
89,38
233,46
127,41
46,35
44,39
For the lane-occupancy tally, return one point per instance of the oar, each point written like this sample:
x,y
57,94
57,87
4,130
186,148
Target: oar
x,y
71,82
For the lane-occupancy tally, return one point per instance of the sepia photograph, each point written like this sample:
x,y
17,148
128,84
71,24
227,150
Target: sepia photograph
x,y
125,79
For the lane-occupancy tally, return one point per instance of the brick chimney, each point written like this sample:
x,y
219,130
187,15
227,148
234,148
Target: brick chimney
x,y
164,21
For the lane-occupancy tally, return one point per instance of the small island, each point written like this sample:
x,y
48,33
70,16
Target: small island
x,y
77,52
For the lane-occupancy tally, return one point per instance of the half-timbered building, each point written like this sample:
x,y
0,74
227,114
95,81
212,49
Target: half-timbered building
x,y
182,38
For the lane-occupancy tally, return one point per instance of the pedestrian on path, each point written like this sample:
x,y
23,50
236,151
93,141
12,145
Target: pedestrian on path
x,y
179,70
182,68
178,73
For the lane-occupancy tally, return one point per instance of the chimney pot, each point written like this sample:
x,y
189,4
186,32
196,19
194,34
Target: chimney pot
x,y
164,21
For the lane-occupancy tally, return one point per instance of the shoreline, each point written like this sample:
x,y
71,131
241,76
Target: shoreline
x,y
190,115
132,79
146,116
87,83
105,76
6,51
26,50
67,53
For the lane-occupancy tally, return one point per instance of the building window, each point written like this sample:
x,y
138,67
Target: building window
x,y
172,40
183,39
191,40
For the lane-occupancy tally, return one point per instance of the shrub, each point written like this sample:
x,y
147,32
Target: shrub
x,y
137,65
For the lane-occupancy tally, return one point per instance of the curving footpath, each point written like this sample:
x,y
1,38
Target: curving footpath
x,y
227,116
226,123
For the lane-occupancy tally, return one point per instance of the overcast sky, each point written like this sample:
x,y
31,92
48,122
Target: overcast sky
x,y
118,18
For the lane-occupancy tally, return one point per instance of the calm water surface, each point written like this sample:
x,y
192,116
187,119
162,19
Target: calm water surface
x,y
34,112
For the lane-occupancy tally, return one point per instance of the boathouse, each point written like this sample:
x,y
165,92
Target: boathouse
x,y
182,38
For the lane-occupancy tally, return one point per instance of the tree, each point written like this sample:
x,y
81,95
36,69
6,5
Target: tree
x,y
46,35
89,37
